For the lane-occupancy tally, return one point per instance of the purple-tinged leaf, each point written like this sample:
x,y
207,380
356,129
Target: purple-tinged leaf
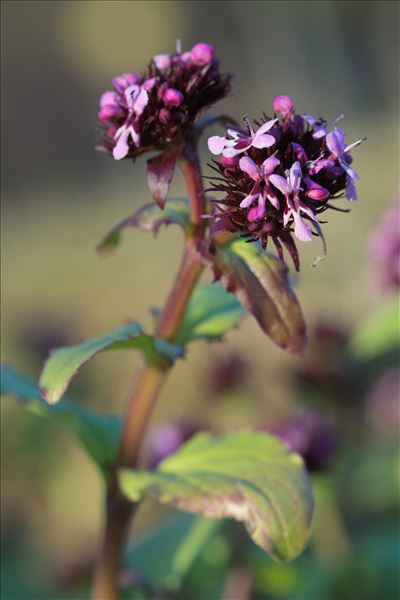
x,y
160,171
148,218
251,477
260,283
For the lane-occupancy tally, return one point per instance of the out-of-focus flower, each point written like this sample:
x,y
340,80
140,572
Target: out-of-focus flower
x,y
311,435
166,439
325,367
384,249
227,373
307,168
157,109
382,404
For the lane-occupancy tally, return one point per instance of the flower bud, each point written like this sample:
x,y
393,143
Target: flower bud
x,y
164,116
108,98
185,57
227,161
173,97
283,105
109,112
162,61
316,191
202,54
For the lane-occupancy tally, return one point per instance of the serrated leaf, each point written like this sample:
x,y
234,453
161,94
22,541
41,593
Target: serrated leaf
x,y
176,543
251,477
211,313
63,364
99,434
160,171
148,218
260,282
379,333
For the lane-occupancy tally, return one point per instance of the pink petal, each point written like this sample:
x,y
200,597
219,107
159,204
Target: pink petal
x,y
246,202
231,149
248,165
274,201
216,144
269,165
351,192
266,127
280,183
263,140
301,229
335,141
233,133
149,83
295,176
141,102
121,148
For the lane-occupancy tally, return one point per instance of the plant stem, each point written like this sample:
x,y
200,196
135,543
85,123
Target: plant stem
x,y
147,387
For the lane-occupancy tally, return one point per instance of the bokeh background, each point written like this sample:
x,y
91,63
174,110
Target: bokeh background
x,y
60,196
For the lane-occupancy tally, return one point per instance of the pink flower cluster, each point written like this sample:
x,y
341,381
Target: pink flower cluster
x,y
277,177
157,109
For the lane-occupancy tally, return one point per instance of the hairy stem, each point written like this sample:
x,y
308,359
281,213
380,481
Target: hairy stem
x,y
147,387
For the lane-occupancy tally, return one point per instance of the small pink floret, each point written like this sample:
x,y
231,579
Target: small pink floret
x,y
108,113
173,97
283,105
227,161
162,61
202,54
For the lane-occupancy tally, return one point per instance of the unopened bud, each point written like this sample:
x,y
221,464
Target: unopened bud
x,y
109,112
227,161
202,54
173,97
162,61
283,105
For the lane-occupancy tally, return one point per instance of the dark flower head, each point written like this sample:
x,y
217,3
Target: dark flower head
x,y
228,373
312,436
278,176
157,109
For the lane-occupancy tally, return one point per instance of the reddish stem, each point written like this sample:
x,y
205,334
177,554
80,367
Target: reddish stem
x,y
147,387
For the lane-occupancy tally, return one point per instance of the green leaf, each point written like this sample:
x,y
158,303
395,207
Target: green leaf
x,y
211,313
176,543
251,477
148,218
99,434
260,282
63,364
379,333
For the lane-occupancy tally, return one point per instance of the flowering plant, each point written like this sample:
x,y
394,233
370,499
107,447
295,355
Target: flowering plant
x,y
276,176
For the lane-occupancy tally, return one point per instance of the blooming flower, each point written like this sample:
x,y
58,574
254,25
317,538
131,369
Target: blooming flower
x,y
335,141
261,190
241,141
156,110
289,170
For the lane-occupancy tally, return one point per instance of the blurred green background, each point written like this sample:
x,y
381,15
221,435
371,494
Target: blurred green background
x,y
60,196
